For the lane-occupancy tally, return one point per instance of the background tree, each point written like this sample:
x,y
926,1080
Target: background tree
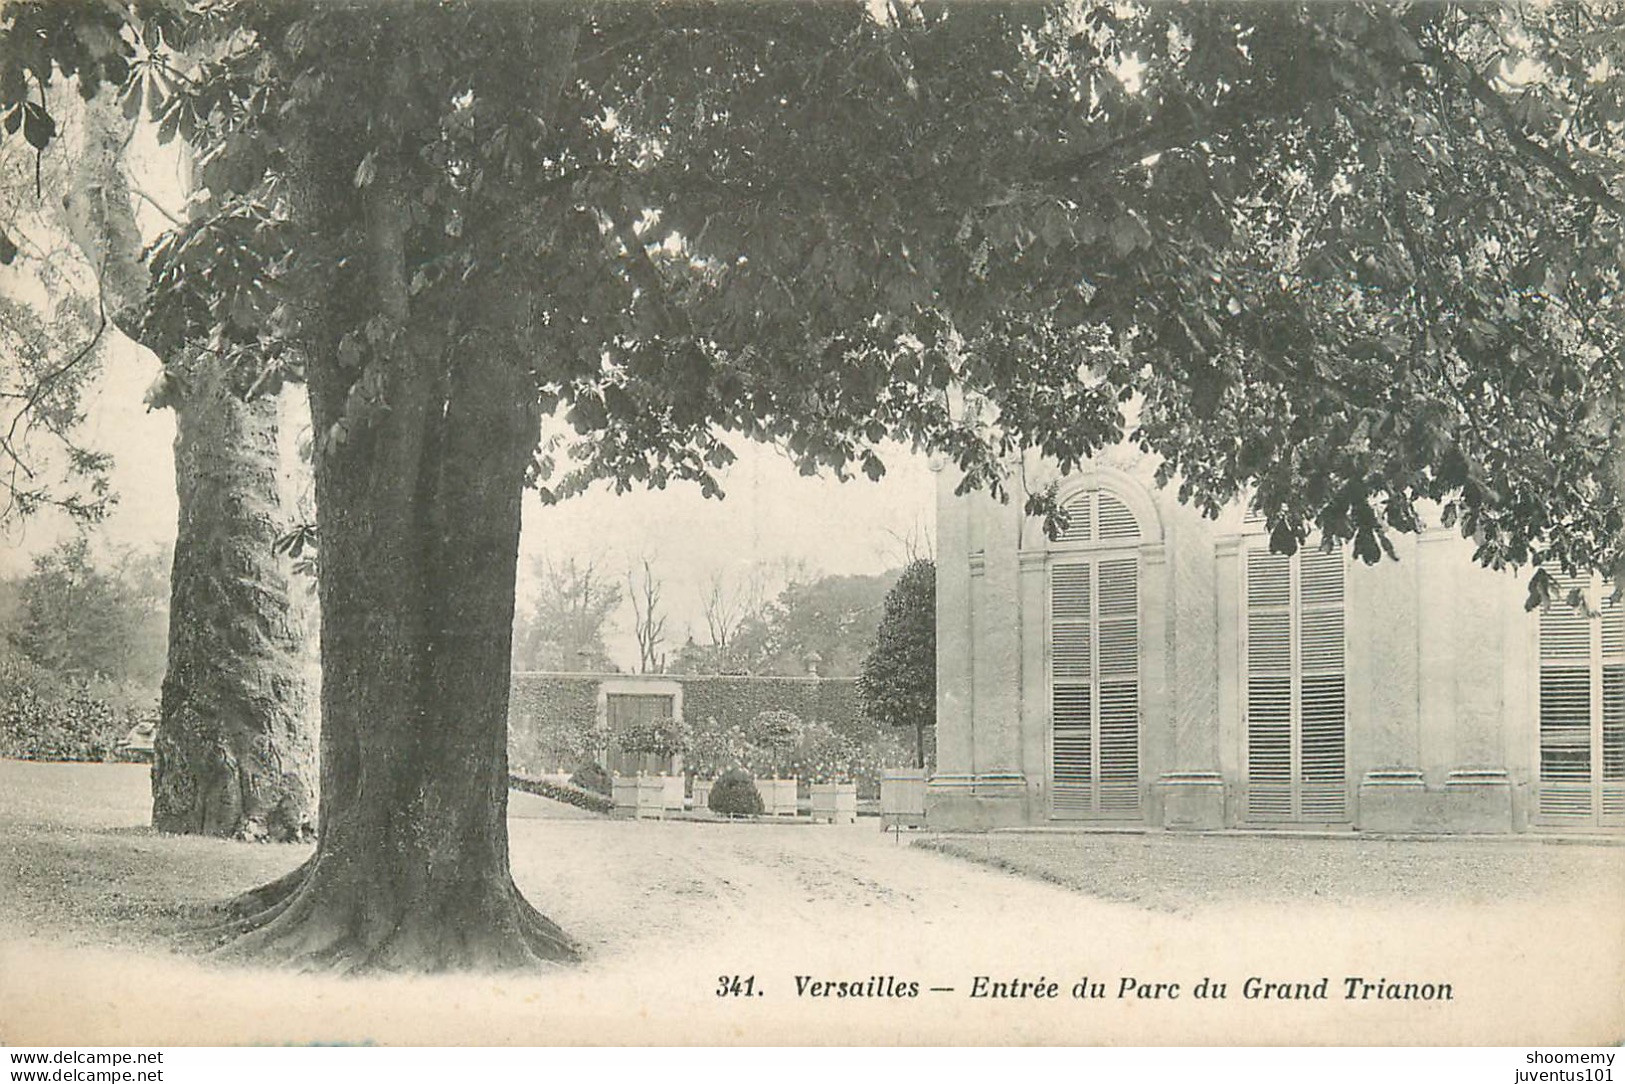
x,y
52,341
649,624
898,683
978,229
822,625
564,629
727,602
85,618
235,756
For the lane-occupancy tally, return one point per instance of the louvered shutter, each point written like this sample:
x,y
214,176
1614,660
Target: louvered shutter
x,y
1095,515
1117,523
1119,683
1564,793
1611,640
1296,730
1079,518
1582,709
1269,686
1322,756
1072,690
1095,688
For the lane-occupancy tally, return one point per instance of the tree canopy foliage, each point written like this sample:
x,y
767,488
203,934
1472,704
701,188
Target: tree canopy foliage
x,y
1355,256
52,336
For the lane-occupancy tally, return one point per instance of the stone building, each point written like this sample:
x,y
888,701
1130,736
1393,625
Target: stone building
x,y
1154,667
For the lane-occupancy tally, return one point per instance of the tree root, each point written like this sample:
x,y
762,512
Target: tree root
x,y
318,920
256,900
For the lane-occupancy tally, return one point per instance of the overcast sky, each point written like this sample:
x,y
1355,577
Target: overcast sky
x,y
771,513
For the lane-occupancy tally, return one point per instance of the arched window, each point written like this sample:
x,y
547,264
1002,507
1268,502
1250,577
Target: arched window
x,y
1097,515
1094,660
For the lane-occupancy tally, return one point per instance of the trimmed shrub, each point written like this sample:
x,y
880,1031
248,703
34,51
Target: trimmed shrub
x,y
735,794
592,776
663,738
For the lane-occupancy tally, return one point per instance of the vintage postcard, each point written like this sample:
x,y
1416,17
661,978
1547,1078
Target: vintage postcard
x,y
780,524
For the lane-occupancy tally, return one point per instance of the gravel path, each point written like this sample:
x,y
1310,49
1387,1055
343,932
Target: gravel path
x,y
665,910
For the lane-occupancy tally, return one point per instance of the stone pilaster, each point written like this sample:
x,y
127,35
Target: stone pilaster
x,y
954,690
1034,588
1381,636
996,610
1230,703
1191,783
1440,612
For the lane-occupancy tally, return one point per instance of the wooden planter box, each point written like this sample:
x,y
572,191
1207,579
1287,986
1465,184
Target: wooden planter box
x,y
639,795
902,798
836,803
671,794
702,794
778,797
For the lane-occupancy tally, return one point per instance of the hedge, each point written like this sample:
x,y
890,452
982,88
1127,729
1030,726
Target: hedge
x,y
561,792
735,701
551,720
43,717
552,717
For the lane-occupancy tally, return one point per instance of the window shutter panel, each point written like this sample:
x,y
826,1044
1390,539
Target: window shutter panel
x,y
1565,631
1117,523
1613,625
1297,725
1095,689
1119,779
1613,707
1565,743
1079,515
1071,700
1613,743
1564,791
1269,686
1322,756
1070,633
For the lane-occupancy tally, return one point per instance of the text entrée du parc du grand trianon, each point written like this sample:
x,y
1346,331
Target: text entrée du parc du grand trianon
x,y
1124,988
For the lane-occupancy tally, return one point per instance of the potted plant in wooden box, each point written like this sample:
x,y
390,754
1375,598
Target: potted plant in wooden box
x,y
773,737
648,794
902,798
835,802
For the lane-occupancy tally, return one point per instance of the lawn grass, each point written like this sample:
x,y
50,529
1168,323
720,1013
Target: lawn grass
x,y
85,869
1188,872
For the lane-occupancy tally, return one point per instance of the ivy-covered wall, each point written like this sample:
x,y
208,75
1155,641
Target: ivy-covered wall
x,y
550,721
735,701
552,717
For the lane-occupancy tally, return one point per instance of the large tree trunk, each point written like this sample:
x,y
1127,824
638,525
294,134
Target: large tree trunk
x,y
234,755
418,513
422,447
